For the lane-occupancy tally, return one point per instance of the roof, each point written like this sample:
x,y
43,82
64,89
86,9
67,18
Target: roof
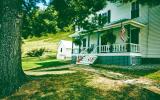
x,y
76,34
67,44
114,24
118,23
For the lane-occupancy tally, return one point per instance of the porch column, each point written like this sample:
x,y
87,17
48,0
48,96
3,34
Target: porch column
x,y
98,35
128,27
72,45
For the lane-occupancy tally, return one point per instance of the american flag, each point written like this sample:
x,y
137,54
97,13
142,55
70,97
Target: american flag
x,y
122,33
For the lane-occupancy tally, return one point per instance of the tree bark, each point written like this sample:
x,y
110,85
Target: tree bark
x,y
11,73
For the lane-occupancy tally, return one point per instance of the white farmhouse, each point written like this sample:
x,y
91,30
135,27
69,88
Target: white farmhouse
x,y
130,36
64,50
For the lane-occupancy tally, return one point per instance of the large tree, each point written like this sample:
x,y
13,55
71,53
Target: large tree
x,y
11,73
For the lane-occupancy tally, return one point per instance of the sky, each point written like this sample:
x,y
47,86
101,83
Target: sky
x,y
42,6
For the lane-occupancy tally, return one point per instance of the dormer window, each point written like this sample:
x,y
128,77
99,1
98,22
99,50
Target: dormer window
x,y
135,10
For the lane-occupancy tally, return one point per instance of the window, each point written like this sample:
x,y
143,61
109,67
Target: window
x,y
135,36
79,28
61,49
109,16
104,18
100,19
135,10
84,42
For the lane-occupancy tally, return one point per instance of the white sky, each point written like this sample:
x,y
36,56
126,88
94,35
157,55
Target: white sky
x,y
42,6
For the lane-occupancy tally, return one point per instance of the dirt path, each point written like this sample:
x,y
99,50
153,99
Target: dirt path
x,y
108,80
101,79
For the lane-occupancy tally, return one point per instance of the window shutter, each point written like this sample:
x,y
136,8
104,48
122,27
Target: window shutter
x,y
109,16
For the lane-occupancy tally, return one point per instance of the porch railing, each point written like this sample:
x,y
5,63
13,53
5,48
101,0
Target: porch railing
x,y
115,48
118,48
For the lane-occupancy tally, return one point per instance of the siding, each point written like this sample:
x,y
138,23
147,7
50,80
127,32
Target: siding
x,y
143,35
154,33
118,11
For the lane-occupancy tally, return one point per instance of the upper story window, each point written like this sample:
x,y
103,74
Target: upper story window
x,y
109,16
104,17
135,10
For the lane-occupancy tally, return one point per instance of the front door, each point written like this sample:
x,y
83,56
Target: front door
x,y
135,36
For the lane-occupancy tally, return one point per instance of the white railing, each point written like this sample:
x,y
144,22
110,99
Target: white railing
x,y
94,50
84,50
104,48
135,47
115,48
118,48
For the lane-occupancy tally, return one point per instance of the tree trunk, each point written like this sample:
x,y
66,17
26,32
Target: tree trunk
x,y
11,73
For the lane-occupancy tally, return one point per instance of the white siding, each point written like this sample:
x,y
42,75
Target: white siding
x,y
66,51
118,12
154,33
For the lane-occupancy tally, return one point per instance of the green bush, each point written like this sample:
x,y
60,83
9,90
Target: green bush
x,y
36,52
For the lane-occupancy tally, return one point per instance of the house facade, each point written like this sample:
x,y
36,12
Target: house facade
x,y
64,50
130,36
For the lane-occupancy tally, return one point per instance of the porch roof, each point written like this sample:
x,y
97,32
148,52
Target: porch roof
x,y
115,24
119,23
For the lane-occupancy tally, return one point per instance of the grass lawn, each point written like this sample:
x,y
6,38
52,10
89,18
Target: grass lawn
x,y
30,63
85,83
148,71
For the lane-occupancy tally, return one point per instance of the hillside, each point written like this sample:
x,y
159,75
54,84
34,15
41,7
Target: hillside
x,y
49,42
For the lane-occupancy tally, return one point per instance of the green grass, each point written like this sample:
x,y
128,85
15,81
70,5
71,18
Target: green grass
x,y
34,63
48,41
154,76
73,87
148,71
51,37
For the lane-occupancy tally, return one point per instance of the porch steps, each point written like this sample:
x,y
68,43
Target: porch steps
x,y
87,60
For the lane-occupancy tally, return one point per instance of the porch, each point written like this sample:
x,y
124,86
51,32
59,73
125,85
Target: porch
x,y
111,49
114,48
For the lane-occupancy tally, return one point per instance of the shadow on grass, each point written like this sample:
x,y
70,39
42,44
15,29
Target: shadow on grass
x,y
57,69
50,64
73,86
135,71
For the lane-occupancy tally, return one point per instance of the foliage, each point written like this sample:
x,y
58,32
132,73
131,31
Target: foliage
x,y
76,11
77,41
68,28
36,52
39,22
109,37
65,14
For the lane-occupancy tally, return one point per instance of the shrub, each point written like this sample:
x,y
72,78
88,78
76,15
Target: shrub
x,y
36,52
